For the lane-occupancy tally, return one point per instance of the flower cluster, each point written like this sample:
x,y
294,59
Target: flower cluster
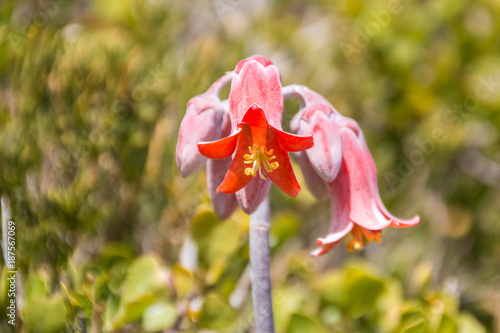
x,y
245,149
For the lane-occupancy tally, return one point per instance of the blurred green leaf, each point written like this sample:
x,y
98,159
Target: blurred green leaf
x,y
183,280
146,276
158,317
110,312
115,252
447,325
114,10
146,282
468,324
45,315
414,322
283,227
329,286
361,291
302,324
216,239
36,287
216,313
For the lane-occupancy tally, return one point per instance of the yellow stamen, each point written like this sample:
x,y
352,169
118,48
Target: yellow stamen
x,y
257,157
353,245
362,236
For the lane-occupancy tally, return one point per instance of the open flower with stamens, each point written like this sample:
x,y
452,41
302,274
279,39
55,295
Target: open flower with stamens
x,y
256,144
258,148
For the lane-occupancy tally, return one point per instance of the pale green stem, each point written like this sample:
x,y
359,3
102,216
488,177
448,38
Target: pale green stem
x,y
259,263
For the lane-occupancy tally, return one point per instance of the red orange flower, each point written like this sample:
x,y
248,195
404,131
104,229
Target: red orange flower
x,y
258,149
257,145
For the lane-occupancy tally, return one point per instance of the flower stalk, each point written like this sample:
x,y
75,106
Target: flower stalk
x,y
259,265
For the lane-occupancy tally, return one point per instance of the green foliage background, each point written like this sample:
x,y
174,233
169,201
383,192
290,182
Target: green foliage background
x,y
92,94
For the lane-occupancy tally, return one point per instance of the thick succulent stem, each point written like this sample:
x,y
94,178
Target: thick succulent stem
x,y
261,276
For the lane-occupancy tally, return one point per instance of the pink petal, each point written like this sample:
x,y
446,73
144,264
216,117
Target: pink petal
x,y
326,154
252,195
208,124
310,101
224,204
263,60
367,209
318,118
307,96
256,84
315,183
362,175
340,224
396,221
202,122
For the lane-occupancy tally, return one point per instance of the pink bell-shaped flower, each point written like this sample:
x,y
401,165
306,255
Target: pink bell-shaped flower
x,y
342,160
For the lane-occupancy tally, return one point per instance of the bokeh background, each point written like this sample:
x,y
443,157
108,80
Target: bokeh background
x,y
110,237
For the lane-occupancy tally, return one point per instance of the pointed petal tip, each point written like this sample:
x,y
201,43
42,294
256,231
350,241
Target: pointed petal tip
x,y
261,59
321,241
405,223
291,188
219,149
255,116
224,205
188,162
294,143
251,196
232,185
324,249
293,193
316,253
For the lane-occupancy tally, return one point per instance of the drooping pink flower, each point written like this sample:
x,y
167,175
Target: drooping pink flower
x,y
356,206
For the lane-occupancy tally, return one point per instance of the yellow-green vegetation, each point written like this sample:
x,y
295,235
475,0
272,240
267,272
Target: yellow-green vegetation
x,y
110,237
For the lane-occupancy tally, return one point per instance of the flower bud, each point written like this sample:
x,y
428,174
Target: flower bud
x,y
202,122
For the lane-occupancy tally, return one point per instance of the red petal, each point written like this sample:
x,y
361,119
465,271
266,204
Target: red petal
x,y
235,178
255,117
283,176
292,143
322,250
219,149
